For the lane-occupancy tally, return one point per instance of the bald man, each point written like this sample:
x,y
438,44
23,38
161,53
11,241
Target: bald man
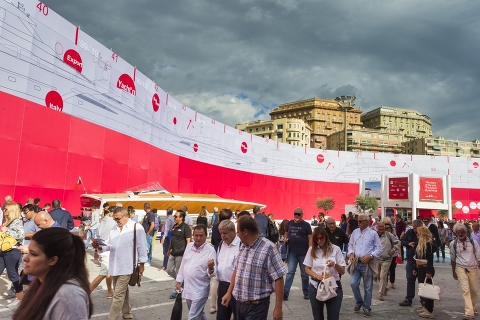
x,y
336,235
44,220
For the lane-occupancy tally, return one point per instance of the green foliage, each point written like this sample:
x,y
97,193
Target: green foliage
x,y
444,213
366,203
326,204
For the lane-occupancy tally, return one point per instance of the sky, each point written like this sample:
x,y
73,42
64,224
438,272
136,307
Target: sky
x,y
235,60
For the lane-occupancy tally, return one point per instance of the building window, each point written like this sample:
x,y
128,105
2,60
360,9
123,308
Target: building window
x,y
279,136
249,130
263,128
279,126
256,129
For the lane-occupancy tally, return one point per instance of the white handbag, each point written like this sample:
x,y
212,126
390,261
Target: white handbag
x,y
429,291
327,288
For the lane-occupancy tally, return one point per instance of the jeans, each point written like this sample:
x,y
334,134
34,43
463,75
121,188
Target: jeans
x,y
166,243
253,311
173,265
442,247
149,248
10,260
333,305
91,233
359,273
410,281
292,261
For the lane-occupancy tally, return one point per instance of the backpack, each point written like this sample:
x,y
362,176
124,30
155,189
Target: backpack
x,y
273,234
455,247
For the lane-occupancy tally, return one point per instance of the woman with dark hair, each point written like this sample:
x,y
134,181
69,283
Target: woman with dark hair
x,y
442,232
343,222
60,290
321,253
10,260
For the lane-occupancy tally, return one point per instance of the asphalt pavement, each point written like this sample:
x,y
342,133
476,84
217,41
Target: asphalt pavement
x,y
151,300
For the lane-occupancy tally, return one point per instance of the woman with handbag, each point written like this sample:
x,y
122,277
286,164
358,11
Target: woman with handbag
x,y
324,256
10,259
424,267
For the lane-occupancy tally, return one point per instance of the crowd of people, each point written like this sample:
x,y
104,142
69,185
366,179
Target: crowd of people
x,y
241,267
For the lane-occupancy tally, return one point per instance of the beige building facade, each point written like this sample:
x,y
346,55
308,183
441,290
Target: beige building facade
x,y
366,140
439,146
411,123
291,131
323,117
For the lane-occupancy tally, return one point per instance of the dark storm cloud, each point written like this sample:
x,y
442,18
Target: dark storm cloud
x,y
234,60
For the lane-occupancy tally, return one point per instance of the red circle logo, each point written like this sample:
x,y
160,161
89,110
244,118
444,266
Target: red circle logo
x,y
155,102
475,165
320,158
54,101
73,59
393,163
175,120
244,147
195,147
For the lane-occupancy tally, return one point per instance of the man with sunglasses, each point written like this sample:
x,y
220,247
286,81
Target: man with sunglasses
x,y
465,258
364,248
298,235
181,235
120,245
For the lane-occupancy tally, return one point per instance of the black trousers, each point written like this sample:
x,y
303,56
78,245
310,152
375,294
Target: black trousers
x,y
223,312
422,274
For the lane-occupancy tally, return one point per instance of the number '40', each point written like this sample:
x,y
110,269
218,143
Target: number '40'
x,y
42,8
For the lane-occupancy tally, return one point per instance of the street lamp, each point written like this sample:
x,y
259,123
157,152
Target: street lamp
x,y
345,103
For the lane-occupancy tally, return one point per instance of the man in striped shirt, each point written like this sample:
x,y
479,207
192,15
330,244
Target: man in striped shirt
x,y
258,272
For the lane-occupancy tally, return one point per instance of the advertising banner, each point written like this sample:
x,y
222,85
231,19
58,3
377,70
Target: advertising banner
x,y
398,188
431,189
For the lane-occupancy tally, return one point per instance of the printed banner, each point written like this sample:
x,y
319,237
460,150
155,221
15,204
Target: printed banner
x,y
398,188
431,189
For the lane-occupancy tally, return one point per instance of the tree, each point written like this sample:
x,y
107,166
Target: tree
x,y
326,204
366,203
444,213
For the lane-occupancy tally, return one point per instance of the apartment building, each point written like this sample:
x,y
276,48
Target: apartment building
x,y
439,146
286,130
321,115
366,140
411,123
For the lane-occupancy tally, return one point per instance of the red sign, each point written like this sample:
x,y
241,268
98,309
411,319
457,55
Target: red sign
x,y
398,188
431,189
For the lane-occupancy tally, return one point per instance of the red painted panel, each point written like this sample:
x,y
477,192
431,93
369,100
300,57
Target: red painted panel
x,y
185,185
10,153
6,190
116,147
88,169
54,135
157,158
139,154
46,195
114,177
136,176
11,115
40,166
86,138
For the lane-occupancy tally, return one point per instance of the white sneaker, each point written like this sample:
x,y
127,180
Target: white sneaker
x,y
14,305
213,310
9,294
147,264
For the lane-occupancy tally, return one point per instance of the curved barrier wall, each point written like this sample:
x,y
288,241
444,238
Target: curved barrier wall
x,y
70,107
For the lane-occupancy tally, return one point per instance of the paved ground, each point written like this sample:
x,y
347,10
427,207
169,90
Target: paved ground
x,y
151,300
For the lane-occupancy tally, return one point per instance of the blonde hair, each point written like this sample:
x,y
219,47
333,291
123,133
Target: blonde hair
x,y
387,220
424,236
13,212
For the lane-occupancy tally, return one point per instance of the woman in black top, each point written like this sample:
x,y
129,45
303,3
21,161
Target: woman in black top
x,y
424,251
202,217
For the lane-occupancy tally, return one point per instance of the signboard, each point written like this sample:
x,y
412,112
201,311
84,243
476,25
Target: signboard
x,y
373,189
431,189
398,188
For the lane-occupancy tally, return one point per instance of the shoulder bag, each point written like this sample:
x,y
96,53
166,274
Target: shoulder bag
x,y
135,277
327,288
7,242
429,291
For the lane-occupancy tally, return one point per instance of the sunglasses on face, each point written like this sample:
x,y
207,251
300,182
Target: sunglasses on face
x,y
118,219
297,214
320,238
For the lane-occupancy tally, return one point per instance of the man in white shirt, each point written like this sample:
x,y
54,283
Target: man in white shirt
x,y
227,252
198,266
120,244
465,258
